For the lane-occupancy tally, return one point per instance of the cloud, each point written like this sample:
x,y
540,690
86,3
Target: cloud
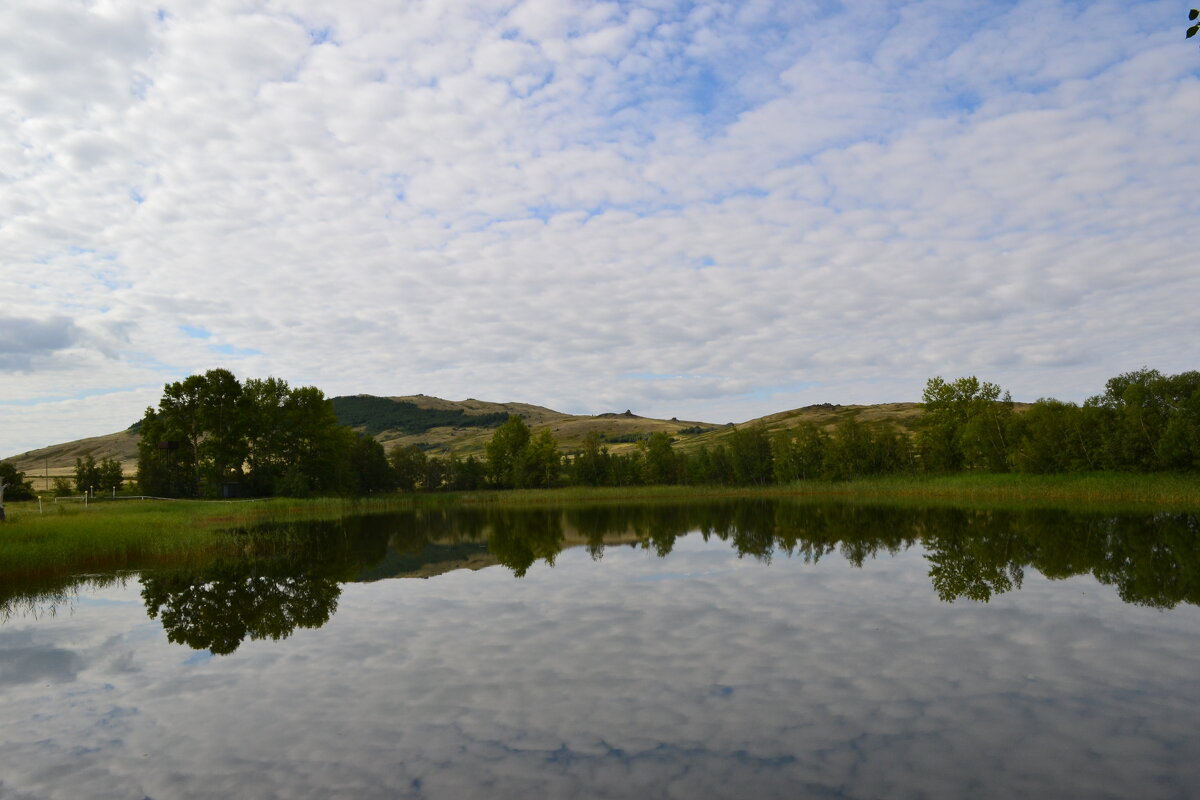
x,y
24,339
23,662
528,201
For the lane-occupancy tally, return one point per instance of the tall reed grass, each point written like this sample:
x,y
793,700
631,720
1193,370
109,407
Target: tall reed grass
x,y
135,534
1157,491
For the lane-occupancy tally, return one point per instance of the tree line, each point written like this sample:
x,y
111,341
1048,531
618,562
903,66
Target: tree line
x,y
1144,421
287,441
212,435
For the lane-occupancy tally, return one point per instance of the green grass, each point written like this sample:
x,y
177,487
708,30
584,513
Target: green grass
x,y
1159,491
136,534
1100,490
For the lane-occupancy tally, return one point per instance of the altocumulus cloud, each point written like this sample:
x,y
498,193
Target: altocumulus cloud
x,y
774,203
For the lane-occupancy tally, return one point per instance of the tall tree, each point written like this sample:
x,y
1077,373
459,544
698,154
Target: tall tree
x,y
87,476
222,417
265,404
16,486
408,466
661,464
369,466
506,453
750,451
590,465
180,414
542,461
109,475
963,425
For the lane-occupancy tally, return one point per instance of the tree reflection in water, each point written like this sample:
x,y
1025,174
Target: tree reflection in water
x,y
289,576
217,608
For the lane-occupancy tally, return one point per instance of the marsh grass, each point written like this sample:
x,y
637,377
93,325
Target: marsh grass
x,y
1095,491
139,534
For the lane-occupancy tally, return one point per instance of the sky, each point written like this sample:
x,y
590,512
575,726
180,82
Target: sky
x,y
703,210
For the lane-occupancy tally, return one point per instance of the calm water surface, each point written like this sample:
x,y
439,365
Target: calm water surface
x,y
745,650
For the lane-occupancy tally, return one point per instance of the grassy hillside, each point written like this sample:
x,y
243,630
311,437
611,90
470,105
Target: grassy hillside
x,y
466,426
44,465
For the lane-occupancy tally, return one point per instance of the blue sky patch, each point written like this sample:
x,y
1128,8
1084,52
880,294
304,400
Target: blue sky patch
x,y
195,332
230,350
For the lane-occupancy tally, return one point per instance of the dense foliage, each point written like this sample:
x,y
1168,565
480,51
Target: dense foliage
x,y
16,487
92,477
212,435
378,414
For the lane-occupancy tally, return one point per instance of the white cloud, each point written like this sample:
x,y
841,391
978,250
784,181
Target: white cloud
x,y
530,201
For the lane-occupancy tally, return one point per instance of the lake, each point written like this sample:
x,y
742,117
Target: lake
x,y
748,649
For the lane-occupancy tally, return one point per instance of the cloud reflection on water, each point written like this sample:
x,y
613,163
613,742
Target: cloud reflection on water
x,y
600,679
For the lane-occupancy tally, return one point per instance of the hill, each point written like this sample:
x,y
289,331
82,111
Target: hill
x,y
466,426
42,466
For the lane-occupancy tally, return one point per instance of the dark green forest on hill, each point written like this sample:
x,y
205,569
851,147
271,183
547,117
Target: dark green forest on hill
x,y
375,415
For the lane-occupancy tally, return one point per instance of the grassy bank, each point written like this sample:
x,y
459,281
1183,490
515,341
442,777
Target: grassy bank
x,y
136,534
1100,490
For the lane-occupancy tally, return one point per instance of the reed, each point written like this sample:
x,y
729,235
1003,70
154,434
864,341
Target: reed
x,y
136,534
1108,490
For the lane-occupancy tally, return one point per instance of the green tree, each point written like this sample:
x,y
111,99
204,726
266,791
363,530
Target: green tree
x,y
849,453
660,461
542,461
590,465
466,474
164,466
436,471
369,465
720,470
1179,447
1149,420
506,453
16,487
265,404
87,475
408,466
1135,408
963,425
798,454
182,422
750,452
208,429
223,448
1048,437
316,446
109,475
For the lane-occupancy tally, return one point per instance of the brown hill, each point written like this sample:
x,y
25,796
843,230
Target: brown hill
x,y
42,466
